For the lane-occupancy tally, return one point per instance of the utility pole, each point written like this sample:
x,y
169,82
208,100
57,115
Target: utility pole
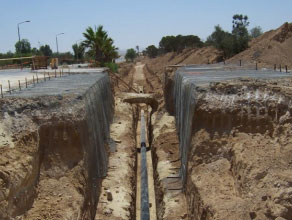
x,y
19,37
57,42
18,29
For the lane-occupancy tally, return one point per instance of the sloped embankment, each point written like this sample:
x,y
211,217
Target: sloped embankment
x,y
155,68
273,47
56,151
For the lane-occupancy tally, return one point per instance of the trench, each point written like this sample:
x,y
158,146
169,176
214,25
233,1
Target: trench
x,y
83,156
211,155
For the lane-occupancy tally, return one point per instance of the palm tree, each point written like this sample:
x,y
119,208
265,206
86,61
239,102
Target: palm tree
x,y
100,44
78,50
110,51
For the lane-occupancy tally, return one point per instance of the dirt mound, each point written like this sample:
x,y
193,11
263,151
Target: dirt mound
x,y
273,47
203,55
285,32
155,68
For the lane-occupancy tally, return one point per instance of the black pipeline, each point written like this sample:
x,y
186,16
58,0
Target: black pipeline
x,y
144,176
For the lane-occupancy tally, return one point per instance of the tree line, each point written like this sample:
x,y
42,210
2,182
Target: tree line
x,y
97,46
228,43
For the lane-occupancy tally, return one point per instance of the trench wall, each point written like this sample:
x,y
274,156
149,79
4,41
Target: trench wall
x,y
99,109
248,106
72,143
216,123
184,101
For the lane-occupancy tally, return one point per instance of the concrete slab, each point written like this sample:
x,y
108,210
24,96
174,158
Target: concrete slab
x,y
201,74
68,84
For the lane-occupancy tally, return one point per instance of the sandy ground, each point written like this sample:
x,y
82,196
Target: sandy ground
x,y
273,47
118,188
172,201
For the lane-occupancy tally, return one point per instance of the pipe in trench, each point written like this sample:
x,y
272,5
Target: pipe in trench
x,y
145,215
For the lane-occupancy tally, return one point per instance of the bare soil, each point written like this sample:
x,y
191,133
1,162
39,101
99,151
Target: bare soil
x,y
239,164
240,159
273,47
117,199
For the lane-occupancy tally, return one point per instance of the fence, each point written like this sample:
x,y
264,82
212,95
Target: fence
x,y
37,77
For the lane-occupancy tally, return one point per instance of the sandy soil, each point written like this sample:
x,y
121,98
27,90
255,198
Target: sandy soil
x,y
240,159
171,200
273,47
118,188
46,170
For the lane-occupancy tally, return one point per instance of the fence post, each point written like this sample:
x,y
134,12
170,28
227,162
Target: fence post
x,y
9,86
1,91
60,73
275,67
286,67
239,62
33,79
19,85
25,82
55,73
37,78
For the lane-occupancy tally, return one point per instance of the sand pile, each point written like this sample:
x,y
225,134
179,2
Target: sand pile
x,y
273,47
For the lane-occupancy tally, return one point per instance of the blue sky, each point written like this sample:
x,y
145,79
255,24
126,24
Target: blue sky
x,y
130,22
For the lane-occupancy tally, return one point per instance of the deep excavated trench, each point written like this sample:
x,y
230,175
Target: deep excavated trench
x,y
128,110
222,152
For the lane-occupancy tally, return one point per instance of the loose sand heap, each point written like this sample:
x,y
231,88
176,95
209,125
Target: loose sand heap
x,y
273,47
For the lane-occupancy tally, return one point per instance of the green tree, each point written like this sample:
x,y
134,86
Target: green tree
x,y
23,47
100,45
179,42
168,44
191,41
240,33
255,32
78,50
151,51
221,40
35,51
110,51
46,50
130,55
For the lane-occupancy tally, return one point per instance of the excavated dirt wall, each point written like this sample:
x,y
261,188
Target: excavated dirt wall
x,y
235,148
239,160
54,154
